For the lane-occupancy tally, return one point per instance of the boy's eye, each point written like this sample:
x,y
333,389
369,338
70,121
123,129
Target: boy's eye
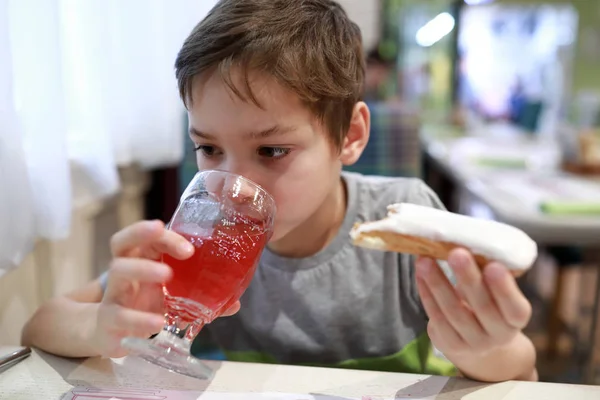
x,y
273,152
207,150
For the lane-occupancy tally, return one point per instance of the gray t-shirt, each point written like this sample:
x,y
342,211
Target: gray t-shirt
x,y
345,306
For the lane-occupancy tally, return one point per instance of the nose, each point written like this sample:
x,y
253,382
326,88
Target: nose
x,y
240,190
240,196
232,188
236,167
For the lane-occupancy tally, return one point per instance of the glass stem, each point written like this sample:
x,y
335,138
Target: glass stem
x,y
193,329
180,332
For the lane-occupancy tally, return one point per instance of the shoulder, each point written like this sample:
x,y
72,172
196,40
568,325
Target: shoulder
x,y
375,193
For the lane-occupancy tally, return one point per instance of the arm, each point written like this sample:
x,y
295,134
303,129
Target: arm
x,y
64,325
89,322
515,361
127,302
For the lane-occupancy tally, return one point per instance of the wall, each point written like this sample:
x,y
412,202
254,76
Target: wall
x,y
366,14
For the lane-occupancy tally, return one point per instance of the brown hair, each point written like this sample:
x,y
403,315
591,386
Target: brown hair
x,y
309,46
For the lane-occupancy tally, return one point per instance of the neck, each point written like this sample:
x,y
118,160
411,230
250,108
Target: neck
x,y
318,231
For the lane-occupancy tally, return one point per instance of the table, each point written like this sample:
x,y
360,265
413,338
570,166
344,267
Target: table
x,y
49,377
452,156
544,229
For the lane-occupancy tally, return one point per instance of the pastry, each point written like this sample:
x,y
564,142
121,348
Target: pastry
x,y
425,231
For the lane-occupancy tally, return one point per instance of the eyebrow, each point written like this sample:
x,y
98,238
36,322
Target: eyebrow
x,y
267,133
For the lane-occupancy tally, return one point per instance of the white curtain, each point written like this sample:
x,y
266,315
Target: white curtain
x,y
85,86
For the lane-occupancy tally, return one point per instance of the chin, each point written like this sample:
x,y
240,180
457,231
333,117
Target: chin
x,y
279,232
276,237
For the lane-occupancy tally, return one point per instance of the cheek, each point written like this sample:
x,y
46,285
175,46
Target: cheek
x,y
301,189
204,163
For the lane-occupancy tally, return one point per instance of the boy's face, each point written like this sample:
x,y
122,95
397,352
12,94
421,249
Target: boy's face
x,y
282,146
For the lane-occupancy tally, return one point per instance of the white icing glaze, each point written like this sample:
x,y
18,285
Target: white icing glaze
x,y
492,239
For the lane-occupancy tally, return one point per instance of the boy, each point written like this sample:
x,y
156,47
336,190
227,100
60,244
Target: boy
x,y
273,92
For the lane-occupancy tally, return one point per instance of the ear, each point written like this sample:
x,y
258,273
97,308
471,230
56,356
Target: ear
x,y
358,134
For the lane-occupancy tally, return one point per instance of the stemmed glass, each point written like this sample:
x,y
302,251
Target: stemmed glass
x,y
229,220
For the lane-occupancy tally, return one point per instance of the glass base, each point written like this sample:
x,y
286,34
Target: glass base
x,y
170,352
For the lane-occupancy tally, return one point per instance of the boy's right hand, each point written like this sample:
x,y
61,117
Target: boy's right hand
x,y
132,305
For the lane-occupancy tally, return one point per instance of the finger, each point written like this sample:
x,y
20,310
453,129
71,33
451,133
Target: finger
x,y
126,271
151,298
440,331
232,310
512,303
135,235
172,243
156,240
449,303
444,337
476,293
137,323
115,349
431,308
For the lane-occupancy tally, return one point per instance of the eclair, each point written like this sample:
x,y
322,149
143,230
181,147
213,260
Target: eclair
x,y
430,232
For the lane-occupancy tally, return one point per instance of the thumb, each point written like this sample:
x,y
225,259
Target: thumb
x,y
232,310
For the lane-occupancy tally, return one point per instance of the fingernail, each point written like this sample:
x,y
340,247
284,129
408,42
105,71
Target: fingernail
x,y
424,266
164,272
186,248
494,272
154,226
458,259
158,321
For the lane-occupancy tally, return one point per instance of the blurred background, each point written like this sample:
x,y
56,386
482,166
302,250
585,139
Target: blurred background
x,y
496,104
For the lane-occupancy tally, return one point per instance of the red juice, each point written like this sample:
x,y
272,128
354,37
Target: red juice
x,y
218,273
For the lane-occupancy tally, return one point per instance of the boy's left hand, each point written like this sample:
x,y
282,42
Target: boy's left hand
x,y
485,311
